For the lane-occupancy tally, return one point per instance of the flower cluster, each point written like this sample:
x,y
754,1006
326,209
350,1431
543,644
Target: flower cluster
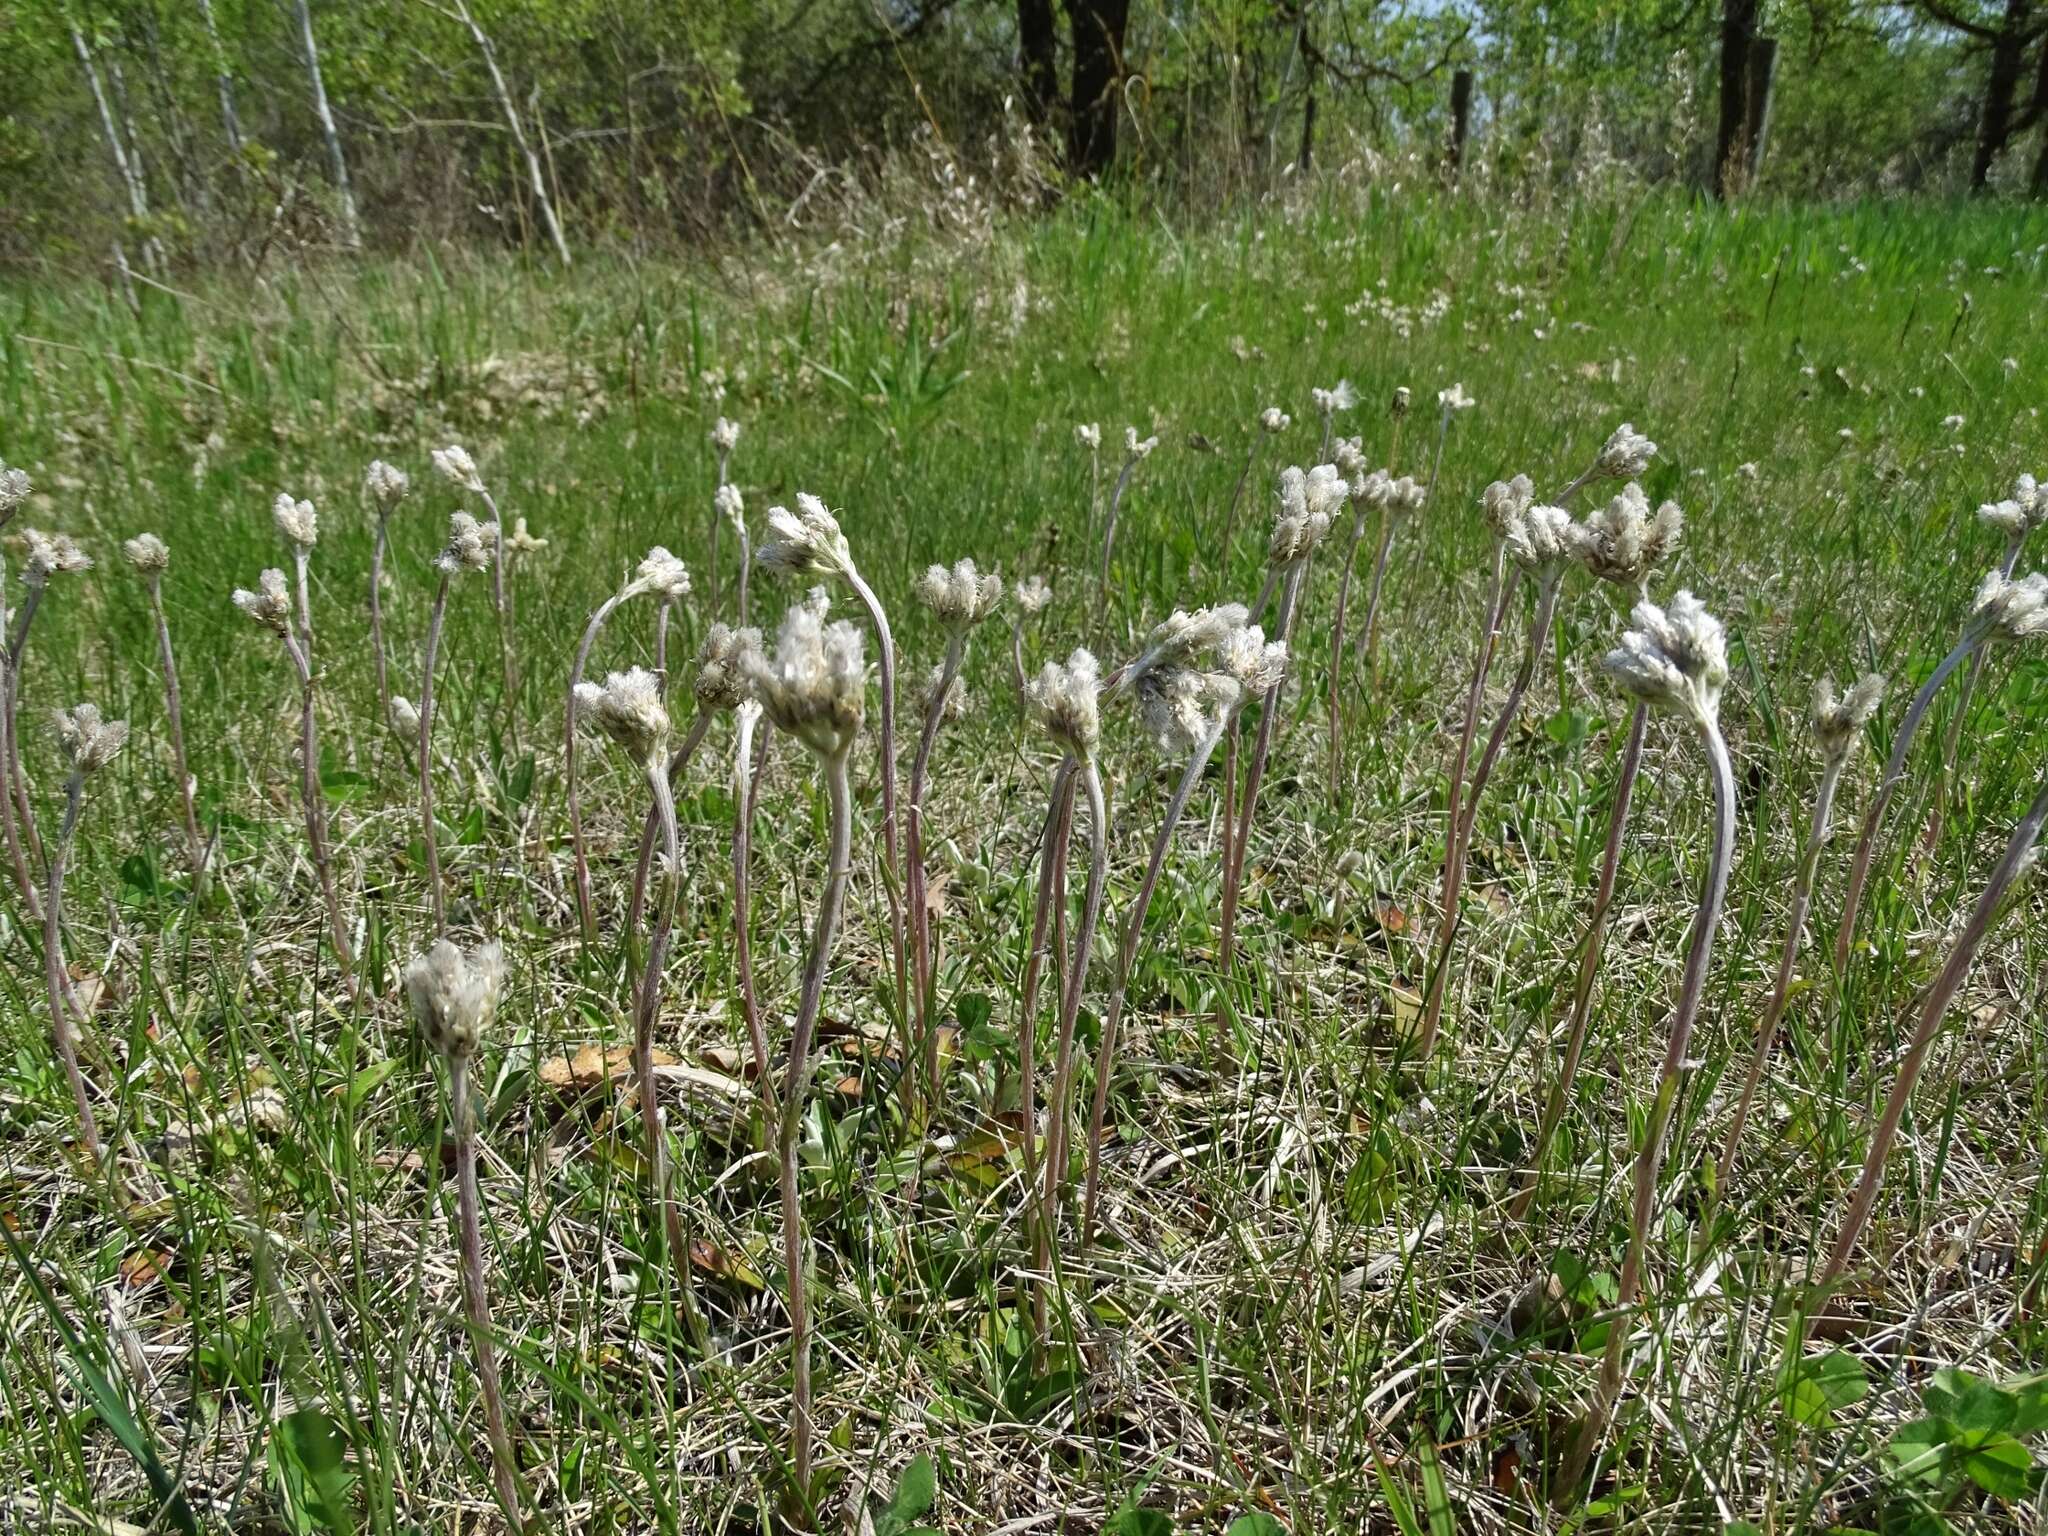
x,y
1066,700
386,485
458,468
815,685
628,708
2009,609
296,520
147,553
1838,719
88,742
270,604
1626,454
1675,658
455,996
721,681
470,546
960,597
806,542
1625,541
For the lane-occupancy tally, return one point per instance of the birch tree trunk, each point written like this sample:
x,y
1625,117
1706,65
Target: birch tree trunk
x,y
351,225
230,121
124,163
535,179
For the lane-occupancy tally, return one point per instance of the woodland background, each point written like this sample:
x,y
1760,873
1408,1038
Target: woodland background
x,y
154,133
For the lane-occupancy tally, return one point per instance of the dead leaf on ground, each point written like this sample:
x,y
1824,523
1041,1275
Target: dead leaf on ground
x,y
593,1064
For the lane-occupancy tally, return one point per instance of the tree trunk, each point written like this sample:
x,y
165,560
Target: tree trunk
x,y
1738,35
230,122
352,229
1461,120
2038,111
130,172
1759,82
1098,63
1038,47
2001,89
535,180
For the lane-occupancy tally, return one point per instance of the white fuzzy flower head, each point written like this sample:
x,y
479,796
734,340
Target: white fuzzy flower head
x,y
1674,658
954,706
1031,595
1625,542
1066,700
1838,719
88,742
1544,540
961,597
1273,420
2011,610
1254,662
1746,470
1309,501
270,604
1329,402
405,720
1454,399
50,554
1088,435
661,573
731,508
148,554
296,520
1348,454
815,685
628,708
1375,488
2032,497
1505,501
386,485
455,996
522,542
1954,423
806,542
1136,447
1626,454
1182,636
1407,494
14,489
456,467
721,681
1403,397
1183,707
470,546
725,435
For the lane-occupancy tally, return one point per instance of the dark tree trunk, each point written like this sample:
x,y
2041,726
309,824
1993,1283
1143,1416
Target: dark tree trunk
x,y
1098,65
2008,61
1738,33
1461,119
1756,106
1038,43
2038,111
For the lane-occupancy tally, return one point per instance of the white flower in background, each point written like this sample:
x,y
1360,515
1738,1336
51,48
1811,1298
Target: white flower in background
x,y
1088,435
386,484
454,996
1454,399
147,553
960,597
1274,420
725,435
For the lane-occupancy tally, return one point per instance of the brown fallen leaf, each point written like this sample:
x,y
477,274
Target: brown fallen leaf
x,y
593,1064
